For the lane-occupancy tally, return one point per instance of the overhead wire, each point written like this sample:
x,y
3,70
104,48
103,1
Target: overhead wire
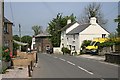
x,y
12,13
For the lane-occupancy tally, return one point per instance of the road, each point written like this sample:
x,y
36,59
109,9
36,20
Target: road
x,y
65,66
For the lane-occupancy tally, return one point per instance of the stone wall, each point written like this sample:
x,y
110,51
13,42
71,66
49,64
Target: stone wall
x,y
109,50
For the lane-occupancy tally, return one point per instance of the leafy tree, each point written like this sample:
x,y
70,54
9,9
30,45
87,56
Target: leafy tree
x,y
55,26
118,29
37,29
15,45
16,37
27,39
93,10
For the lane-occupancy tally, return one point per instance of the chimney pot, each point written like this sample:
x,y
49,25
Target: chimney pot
x,y
68,21
93,20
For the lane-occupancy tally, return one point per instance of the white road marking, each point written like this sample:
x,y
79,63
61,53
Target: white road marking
x,y
62,59
55,57
85,70
70,63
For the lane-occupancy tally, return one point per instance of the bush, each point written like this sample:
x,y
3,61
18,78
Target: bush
x,y
110,42
6,54
66,50
85,43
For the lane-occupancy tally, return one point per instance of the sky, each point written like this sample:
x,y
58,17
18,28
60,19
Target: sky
x,y
29,14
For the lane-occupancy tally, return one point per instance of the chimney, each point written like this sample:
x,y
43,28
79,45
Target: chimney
x,y
68,21
93,20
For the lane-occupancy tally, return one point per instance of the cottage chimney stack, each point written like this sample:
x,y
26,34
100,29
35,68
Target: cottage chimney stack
x,y
68,21
93,20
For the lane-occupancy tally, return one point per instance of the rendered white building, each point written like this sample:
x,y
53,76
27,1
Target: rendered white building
x,y
33,43
73,34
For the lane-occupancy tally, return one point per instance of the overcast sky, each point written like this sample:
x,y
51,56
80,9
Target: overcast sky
x,y
40,13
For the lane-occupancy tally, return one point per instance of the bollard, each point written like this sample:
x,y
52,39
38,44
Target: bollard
x,y
31,65
29,72
36,57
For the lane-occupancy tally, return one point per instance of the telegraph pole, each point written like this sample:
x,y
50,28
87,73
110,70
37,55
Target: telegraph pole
x,y
1,23
20,35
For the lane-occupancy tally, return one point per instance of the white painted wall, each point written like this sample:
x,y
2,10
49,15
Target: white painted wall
x,y
33,42
93,31
57,50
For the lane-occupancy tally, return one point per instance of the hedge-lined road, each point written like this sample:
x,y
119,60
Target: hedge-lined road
x,y
65,66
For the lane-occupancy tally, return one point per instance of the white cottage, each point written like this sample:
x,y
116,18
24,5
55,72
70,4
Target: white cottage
x,y
73,34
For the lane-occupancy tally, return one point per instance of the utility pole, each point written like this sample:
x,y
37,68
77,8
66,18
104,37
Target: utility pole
x,y
1,23
20,35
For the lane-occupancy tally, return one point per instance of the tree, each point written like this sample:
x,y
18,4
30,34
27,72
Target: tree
x,y
27,39
118,28
55,26
37,29
93,10
15,45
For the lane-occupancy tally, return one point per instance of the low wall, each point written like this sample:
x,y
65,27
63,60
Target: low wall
x,y
114,48
57,50
113,58
24,59
20,62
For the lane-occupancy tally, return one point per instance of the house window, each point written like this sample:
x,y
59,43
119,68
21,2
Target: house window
x,y
67,38
103,35
5,28
74,36
70,47
6,43
73,48
62,44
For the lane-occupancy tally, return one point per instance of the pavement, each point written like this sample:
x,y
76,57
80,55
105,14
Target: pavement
x,y
17,72
94,57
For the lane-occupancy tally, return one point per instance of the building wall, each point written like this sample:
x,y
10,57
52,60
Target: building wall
x,y
73,40
7,37
93,31
42,43
33,44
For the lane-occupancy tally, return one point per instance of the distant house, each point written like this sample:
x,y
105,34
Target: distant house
x,y
7,34
42,41
73,34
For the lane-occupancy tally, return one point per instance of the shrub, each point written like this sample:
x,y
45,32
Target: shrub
x,y
85,43
66,50
6,54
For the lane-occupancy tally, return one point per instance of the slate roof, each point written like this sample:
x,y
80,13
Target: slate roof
x,y
68,25
78,29
7,21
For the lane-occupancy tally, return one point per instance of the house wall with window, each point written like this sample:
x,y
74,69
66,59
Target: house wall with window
x,y
73,41
7,34
91,32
